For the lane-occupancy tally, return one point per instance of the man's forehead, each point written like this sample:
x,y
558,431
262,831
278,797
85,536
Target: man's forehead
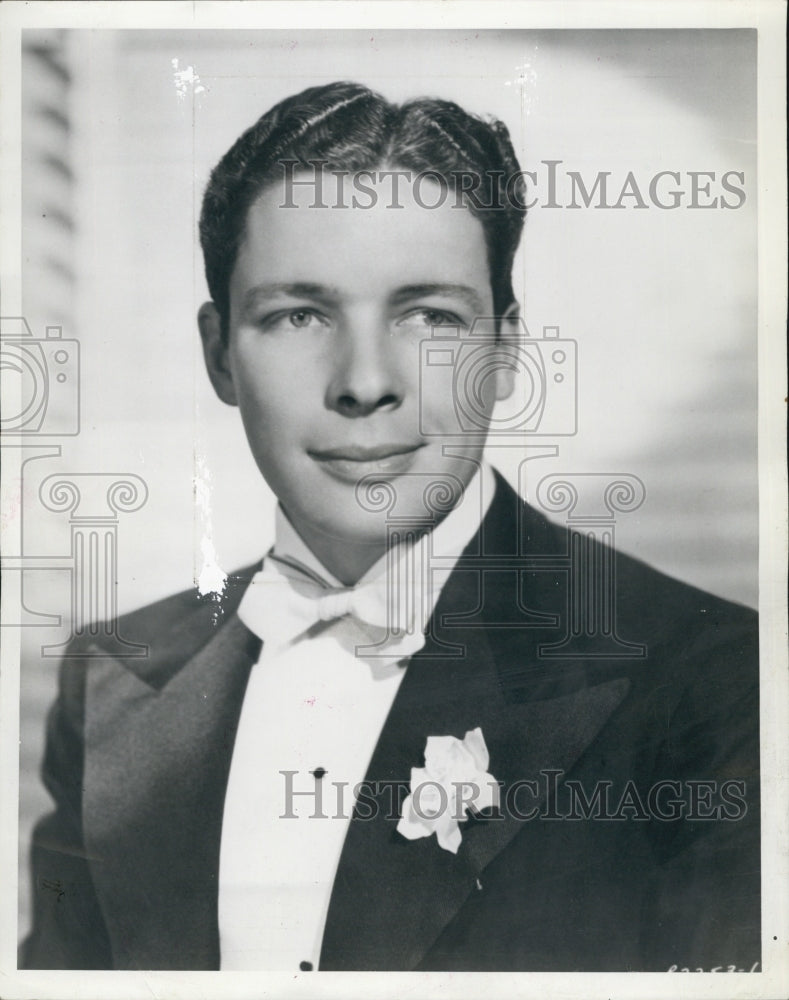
x,y
342,246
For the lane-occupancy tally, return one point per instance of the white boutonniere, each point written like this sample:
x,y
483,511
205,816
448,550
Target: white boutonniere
x,y
453,781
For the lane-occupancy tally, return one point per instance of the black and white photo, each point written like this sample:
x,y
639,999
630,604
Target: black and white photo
x,y
393,503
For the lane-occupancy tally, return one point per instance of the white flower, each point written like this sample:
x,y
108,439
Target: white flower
x,y
453,780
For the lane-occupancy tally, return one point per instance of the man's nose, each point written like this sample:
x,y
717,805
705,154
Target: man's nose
x,y
365,377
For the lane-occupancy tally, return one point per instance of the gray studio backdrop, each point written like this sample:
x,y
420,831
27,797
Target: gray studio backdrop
x,y
120,131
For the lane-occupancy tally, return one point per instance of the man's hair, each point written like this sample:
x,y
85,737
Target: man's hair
x,y
345,126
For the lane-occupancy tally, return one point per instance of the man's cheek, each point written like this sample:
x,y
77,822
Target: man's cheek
x,y
437,402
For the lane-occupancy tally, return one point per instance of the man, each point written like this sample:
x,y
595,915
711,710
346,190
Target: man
x,y
377,754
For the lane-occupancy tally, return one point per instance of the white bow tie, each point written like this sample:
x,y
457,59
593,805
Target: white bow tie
x,y
282,603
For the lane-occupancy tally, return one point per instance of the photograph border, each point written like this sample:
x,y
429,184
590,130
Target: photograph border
x,y
768,17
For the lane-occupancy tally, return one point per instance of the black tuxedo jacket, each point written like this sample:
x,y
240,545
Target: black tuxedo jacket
x,y
587,868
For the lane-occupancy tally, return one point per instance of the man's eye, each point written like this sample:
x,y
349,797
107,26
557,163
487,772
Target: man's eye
x,y
430,318
435,317
299,319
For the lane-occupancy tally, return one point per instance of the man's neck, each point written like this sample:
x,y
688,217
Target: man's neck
x,y
347,559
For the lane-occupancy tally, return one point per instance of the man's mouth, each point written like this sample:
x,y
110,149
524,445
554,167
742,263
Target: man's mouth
x,y
351,462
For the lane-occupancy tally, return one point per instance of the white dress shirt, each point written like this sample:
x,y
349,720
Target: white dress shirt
x,y
313,709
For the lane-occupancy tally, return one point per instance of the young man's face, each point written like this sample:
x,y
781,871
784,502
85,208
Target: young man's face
x,y
329,308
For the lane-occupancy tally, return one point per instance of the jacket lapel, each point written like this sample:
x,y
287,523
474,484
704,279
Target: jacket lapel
x,y
156,766
393,897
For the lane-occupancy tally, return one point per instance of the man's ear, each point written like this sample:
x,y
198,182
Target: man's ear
x,y
215,353
509,336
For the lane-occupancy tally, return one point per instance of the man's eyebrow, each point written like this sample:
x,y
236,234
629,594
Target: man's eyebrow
x,y
293,289
468,294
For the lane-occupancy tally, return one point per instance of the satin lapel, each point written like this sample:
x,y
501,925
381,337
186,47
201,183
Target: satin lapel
x,y
156,767
393,897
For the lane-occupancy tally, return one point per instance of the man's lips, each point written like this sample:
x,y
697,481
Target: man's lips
x,y
364,453
351,462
